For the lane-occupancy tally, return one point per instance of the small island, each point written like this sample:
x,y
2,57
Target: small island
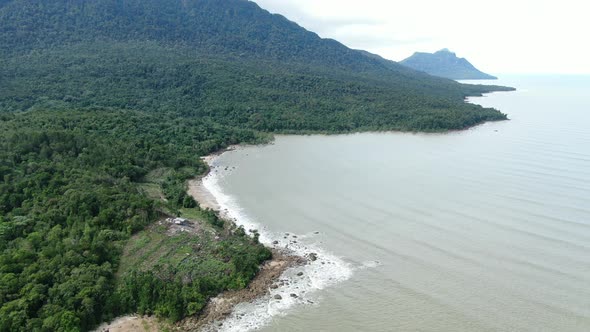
x,y
445,63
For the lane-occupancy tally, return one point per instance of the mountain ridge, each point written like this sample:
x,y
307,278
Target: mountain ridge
x,y
64,40
159,20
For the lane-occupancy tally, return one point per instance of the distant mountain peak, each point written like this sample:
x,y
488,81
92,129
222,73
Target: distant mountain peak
x,y
445,63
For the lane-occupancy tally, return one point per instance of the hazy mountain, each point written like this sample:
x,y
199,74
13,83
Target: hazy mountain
x,y
445,63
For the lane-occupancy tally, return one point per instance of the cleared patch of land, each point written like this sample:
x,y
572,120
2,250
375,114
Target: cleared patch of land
x,y
190,245
133,324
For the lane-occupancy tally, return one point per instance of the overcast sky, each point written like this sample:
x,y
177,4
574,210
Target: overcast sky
x,y
500,36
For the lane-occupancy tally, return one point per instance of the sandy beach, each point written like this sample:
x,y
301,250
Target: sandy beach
x,y
199,191
271,271
203,196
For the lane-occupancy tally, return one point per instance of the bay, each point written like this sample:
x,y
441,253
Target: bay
x,y
486,229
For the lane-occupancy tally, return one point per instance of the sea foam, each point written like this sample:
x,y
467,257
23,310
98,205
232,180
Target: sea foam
x,y
296,289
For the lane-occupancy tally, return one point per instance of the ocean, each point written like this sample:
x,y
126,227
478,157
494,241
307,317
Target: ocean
x,y
486,229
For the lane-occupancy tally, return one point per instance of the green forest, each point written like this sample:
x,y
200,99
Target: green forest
x,y
69,201
105,110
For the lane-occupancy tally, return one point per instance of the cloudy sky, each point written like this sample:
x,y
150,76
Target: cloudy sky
x,y
500,36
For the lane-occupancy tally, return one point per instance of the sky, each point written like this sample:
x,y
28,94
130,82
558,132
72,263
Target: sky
x,y
498,37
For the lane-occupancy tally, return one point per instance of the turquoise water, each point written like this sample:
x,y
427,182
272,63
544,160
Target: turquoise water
x,y
486,229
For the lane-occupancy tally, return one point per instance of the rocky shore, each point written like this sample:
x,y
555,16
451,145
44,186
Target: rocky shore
x,y
221,306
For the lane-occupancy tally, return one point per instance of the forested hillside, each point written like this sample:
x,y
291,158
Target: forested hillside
x,y
97,95
225,59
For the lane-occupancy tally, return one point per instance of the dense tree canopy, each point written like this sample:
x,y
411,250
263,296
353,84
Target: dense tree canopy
x,y
228,60
69,200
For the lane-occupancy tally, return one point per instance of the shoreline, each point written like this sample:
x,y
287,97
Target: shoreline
x,y
275,273
270,276
222,306
219,308
297,270
309,267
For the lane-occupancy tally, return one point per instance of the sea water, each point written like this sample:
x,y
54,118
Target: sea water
x,y
486,229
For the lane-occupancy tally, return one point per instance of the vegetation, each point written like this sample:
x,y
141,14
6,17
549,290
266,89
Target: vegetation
x,y
70,200
106,107
172,276
227,60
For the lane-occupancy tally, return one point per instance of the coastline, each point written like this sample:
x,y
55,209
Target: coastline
x,y
222,306
270,276
275,273
300,266
218,309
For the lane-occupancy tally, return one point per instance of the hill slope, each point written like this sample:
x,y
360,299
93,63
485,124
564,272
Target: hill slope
x,y
445,63
211,58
